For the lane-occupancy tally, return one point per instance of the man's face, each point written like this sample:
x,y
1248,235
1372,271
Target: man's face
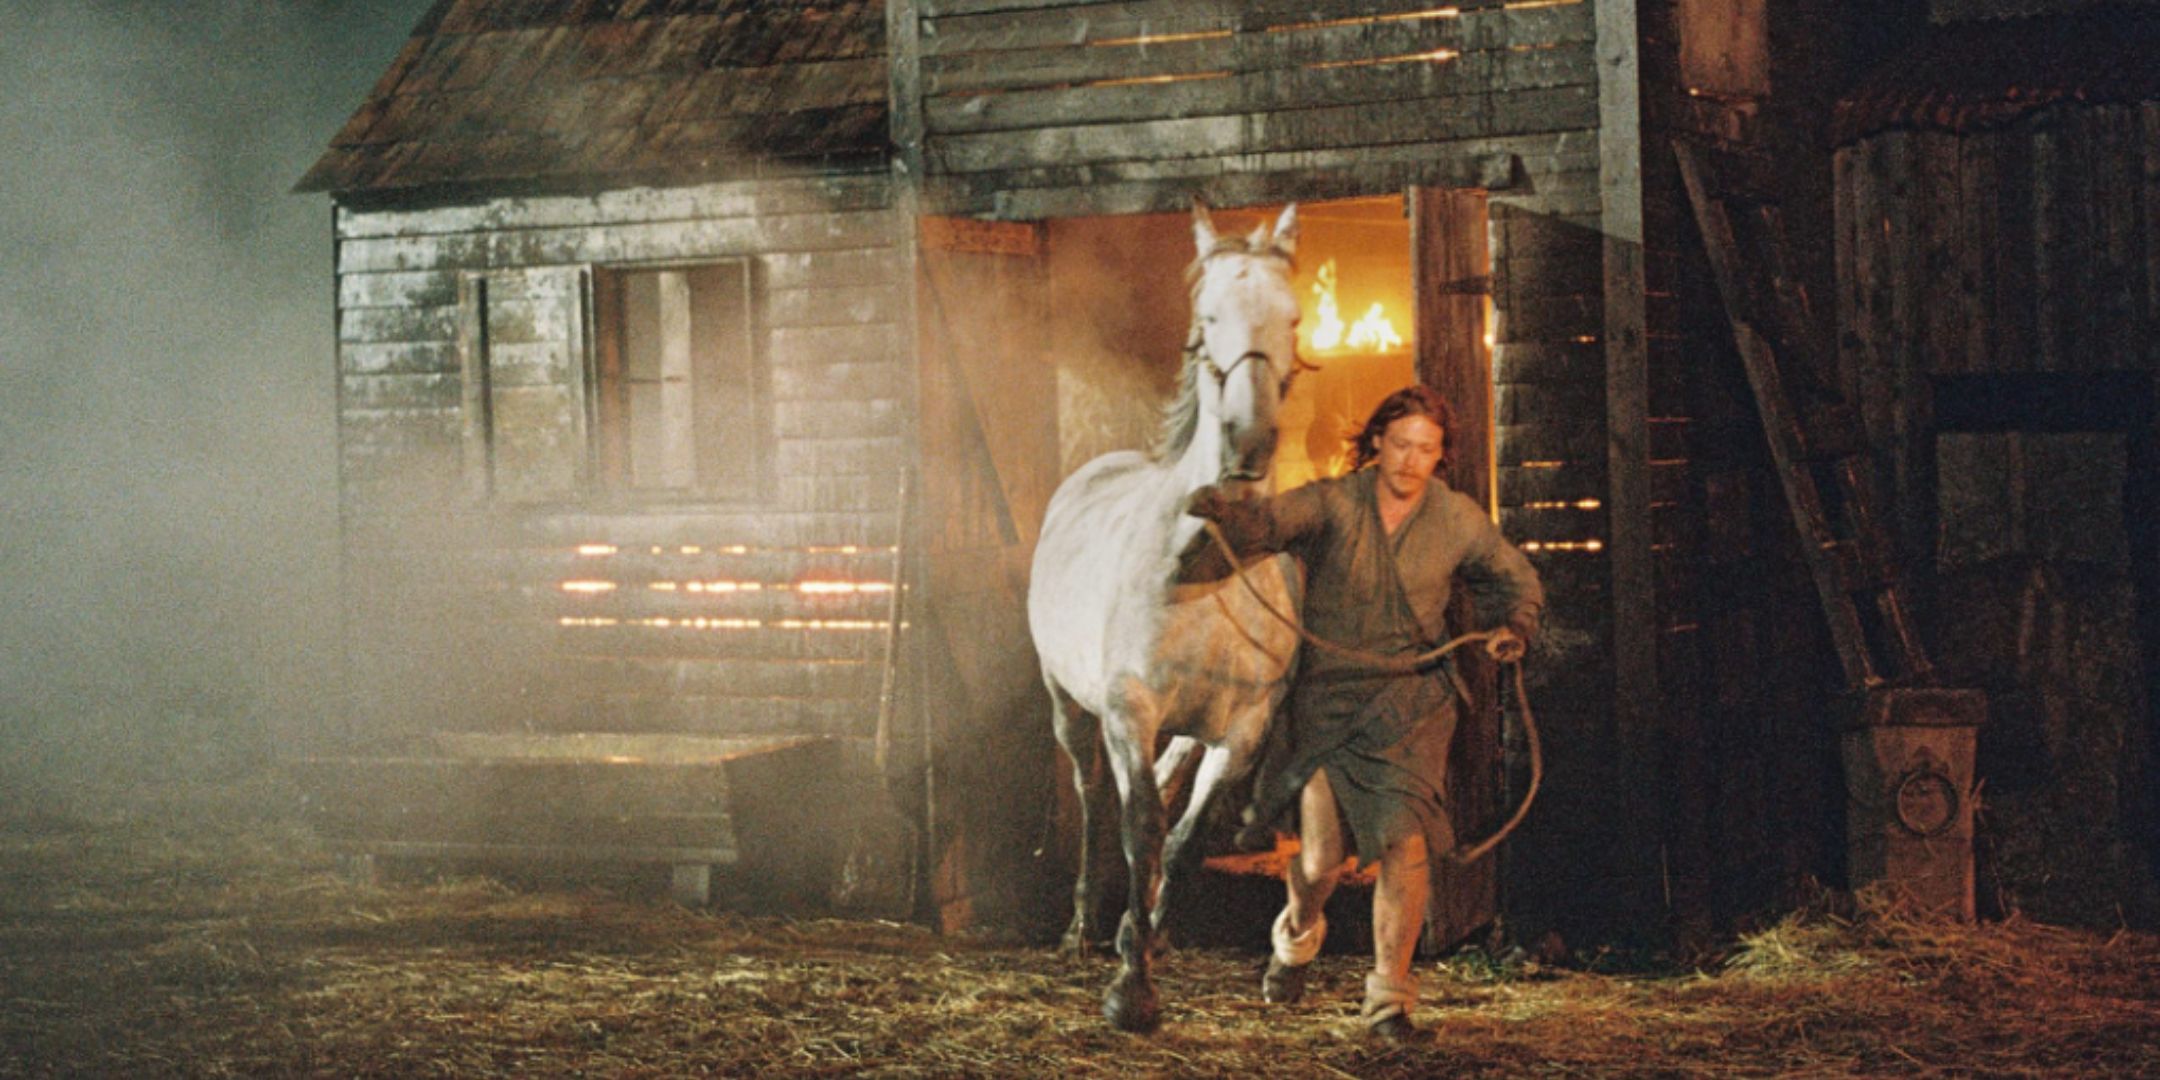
x,y
1409,449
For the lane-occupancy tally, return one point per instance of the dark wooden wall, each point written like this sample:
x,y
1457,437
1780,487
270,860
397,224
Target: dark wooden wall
x,y
1998,301
1742,751
468,483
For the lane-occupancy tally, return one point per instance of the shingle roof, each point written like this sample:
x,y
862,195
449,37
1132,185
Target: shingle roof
x,y
1978,75
545,90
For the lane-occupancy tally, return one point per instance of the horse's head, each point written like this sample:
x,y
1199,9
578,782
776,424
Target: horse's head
x,y
1244,336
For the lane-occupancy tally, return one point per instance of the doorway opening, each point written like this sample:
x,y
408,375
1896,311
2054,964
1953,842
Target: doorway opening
x,y
1119,305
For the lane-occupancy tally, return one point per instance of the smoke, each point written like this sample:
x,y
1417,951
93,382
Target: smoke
x,y
167,443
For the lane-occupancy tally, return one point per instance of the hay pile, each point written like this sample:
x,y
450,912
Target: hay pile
x,y
163,941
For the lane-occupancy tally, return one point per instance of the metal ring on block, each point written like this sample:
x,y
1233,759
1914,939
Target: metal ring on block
x,y
1927,802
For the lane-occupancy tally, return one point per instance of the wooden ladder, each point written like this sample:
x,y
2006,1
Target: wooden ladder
x,y
1816,440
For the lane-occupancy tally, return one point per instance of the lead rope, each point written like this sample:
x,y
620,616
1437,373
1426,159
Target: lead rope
x,y
1382,662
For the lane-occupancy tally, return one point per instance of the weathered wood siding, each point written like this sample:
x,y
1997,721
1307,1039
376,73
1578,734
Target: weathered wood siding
x,y
1036,109
492,581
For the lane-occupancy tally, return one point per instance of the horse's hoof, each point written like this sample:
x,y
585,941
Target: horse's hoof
x,y
1076,945
1159,945
1131,1005
1253,837
1284,983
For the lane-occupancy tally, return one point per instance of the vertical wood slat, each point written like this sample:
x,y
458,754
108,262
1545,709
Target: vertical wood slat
x,y
1451,278
474,426
1451,274
1869,297
1901,349
2116,328
1979,208
2146,129
731,390
676,466
611,398
1850,248
903,41
2015,306
1937,186
2052,249
1634,861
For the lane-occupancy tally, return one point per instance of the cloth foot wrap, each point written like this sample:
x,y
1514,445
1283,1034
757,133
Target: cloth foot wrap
x,y
1386,997
1297,950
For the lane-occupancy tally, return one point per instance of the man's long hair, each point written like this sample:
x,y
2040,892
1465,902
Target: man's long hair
x,y
1416,399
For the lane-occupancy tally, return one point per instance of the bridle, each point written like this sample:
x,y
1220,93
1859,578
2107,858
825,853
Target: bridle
x,y
1298,366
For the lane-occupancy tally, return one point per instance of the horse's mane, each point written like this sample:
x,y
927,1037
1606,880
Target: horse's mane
x,y
1181,417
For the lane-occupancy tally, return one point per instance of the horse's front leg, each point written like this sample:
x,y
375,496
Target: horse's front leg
x,y
1131,1002
1080,734
1224,763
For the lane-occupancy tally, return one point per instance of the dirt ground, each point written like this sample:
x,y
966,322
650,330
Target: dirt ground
x,y
192,933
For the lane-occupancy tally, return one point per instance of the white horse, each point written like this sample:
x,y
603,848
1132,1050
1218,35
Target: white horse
x,y
1130,656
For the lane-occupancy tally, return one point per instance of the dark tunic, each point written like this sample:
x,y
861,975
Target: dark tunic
x,y
1381,736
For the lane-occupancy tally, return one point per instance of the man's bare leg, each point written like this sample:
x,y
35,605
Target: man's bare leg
x,y
1313,874
1398,918
1310,878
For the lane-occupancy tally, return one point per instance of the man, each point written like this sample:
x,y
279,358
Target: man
x,y
1368,745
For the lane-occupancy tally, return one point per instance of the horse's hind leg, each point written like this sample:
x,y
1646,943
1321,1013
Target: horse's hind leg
x,y
1080,733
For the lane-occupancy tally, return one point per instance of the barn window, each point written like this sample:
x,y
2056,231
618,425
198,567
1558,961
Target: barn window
x,y
679,391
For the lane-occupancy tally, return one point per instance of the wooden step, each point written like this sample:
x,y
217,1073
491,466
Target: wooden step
x,y
688,801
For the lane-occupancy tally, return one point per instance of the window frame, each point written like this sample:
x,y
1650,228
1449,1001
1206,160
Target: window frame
x,y
608,410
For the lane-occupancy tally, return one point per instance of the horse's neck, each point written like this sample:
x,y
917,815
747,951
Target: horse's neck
x,y
1196,468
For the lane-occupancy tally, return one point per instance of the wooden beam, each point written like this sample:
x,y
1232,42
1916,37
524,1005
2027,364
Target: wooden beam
x,y
1451,275
1636,696
1484,172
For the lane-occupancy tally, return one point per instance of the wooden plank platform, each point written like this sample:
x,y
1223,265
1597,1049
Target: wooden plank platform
x,y
689,802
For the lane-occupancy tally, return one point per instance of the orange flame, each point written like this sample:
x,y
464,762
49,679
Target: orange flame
x,y
1373,332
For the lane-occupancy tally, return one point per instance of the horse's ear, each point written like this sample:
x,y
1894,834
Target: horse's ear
x,y
1285,238
1203,228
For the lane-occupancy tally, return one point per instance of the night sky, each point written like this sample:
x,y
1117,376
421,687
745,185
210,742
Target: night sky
x,y
167,443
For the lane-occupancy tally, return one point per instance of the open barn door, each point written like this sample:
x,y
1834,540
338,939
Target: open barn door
x,y
990,462
1451,271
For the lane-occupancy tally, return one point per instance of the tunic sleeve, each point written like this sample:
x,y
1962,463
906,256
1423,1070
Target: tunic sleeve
x,y
1502,582
1291,521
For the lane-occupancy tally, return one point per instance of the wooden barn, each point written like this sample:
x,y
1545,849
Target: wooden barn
x,y
1998,308
705,366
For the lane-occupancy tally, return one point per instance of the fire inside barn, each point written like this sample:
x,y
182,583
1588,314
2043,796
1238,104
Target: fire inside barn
x,y
705,369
